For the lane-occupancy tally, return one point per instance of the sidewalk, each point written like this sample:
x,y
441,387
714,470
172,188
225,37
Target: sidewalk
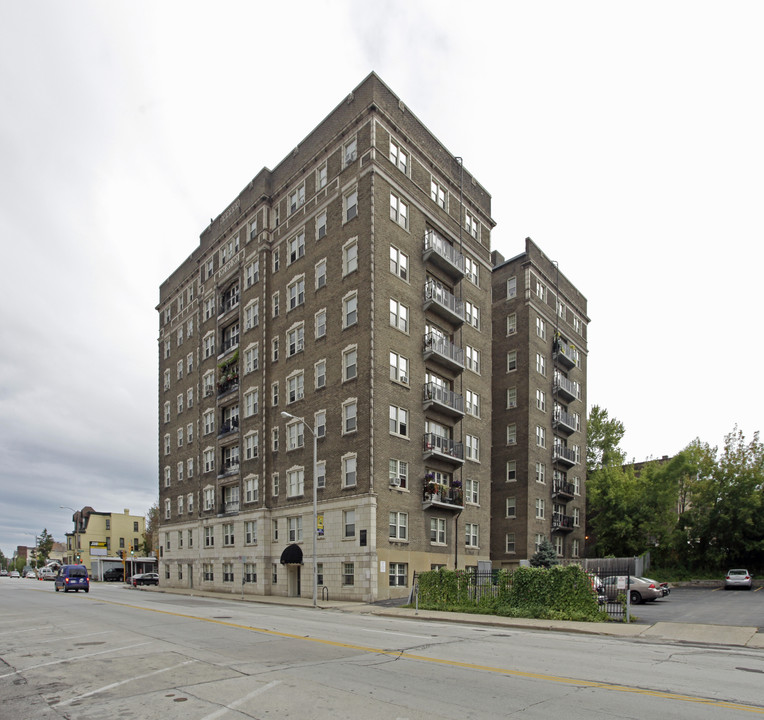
x,y
733,635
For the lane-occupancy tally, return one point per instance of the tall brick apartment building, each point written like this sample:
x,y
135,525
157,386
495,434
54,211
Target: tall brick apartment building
x,y
349,287
539,409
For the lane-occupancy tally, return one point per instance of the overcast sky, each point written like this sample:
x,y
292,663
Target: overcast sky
x,y
627,139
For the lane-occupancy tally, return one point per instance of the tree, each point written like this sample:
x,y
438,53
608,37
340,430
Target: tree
x,y
44,547
545,556
151,536
602,438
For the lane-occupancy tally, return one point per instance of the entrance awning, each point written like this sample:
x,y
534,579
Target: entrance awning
x,y
292,555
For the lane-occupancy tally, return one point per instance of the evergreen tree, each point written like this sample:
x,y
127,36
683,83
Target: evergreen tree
x,y
545,556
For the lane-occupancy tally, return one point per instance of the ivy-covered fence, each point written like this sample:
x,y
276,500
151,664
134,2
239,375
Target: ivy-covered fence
x,y
560,592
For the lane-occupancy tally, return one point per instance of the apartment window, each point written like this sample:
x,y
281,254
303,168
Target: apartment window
x,y
471,224
209,537
438,193
540,328
540,436
538,540
167,414
321,177
399,421
179,369
511,507
472,314
167,444
398,471
274,394
209,308
576,517
208,572
349,470
511,434
350,257
209,345
472,491
512,287
351,205
561,309
511,398
320,323
297,293
399,368
190,397
349,417
275,439
190,508
252,315
275,350
575,548
541,400
296,198
166,379
276,252
398,157
350,310
295,387
350,363
472,448
295,435
252,358
180,471
319,423
399,211
511,323
251,402
540,290
348,523
209,460
320,374
321,273
321,225
399,263
399,525
294,529
577,325
471,270
576,486
472,403
320,474
348,574
275,492
438,531
275,304
540,508
512,361
167,509
252,489
472,358
180,335
350,151
167,476
540,364
398,574
228,538
471,534
296,339
511,470
540,472
208,383
252,445
274,573
399,316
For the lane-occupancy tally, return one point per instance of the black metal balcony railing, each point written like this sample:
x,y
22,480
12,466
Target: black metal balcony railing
x,y
564,420
230,466
443,399
442,302
566,353
229,426
440,252
564,454
562,522
444,448
228,303
442,496
229,344
566,388
563,489
444,351
229,506
229,384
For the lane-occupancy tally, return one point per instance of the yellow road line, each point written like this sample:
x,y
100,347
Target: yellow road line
x,y
456,663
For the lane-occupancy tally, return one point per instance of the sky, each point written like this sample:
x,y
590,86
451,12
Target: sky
x,y
625,138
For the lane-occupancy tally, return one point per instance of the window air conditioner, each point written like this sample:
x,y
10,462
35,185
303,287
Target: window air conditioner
x,y
395,482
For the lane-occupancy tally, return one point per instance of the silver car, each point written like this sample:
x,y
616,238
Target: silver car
x,y
640,589
738,578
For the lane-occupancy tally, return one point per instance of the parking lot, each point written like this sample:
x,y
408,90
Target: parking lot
x,y
711,606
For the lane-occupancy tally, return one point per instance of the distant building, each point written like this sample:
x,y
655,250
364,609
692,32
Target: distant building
x,y
539,359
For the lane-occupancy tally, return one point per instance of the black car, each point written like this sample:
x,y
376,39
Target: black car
x,y
145,579
116,574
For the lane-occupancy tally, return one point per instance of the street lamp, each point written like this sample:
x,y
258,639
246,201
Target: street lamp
x,y
76,536
289,416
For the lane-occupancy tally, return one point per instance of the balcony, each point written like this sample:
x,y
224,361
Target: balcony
x,y
562,490
230,467
443,351
564,421
442,448
443,303
227,386
443,400
562,523
447,497
227,345
229,507
440,252
228,303
566,389
566,354
228,427
564,455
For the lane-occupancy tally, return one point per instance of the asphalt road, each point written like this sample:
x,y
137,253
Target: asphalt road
x,y
712,606
119,653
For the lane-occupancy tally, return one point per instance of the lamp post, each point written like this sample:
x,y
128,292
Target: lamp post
x,y
289,416
76,536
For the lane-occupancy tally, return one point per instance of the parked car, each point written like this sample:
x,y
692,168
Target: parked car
x,y
738,578
15,574
3,573
47,573
598,588
72,577
31,575
145,579
640,589
665,588
115,574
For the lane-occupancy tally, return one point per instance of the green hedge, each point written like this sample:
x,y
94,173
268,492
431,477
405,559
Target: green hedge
x,y
557,593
